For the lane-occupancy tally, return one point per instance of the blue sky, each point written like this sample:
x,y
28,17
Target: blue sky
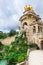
x,y
11,10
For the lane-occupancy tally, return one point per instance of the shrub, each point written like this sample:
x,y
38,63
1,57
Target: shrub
x,y
1,55
17,51
1,46
20,58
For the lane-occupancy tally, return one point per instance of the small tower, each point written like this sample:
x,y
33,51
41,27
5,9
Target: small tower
x,y
30,22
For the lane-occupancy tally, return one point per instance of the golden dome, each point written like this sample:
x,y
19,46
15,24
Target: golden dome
x,y
26,8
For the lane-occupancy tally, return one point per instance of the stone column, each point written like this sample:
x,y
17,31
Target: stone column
x,y
36,28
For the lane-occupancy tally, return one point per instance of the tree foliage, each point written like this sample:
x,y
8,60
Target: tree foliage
x,y
5,35
12,32
17,51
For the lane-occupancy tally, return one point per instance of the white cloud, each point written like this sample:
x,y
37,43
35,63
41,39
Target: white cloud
x,y
11,10
14,17
1,13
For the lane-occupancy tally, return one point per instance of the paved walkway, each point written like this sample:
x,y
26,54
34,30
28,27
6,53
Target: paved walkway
x,y
36,57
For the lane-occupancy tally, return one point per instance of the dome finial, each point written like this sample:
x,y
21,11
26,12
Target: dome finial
x,y
28,8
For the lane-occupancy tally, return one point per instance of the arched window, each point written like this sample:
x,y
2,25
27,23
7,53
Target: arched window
x,y
24,24
34,29
39,29
42,44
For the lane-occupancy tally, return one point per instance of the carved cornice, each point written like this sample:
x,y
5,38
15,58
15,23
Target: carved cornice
x,y
29,15
34,23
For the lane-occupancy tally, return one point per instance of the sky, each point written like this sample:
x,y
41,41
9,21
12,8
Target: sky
x,y
11,11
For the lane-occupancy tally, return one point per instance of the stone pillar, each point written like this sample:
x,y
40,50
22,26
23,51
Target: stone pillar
x,y
36,28
37,34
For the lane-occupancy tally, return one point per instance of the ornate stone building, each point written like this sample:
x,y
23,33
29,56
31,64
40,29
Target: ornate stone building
x,y
31,23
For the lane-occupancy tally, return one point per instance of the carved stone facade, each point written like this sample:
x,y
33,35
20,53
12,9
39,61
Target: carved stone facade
x,y
31,23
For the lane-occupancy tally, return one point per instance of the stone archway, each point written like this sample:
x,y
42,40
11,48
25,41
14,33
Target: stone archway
x,y
42,44
24,24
